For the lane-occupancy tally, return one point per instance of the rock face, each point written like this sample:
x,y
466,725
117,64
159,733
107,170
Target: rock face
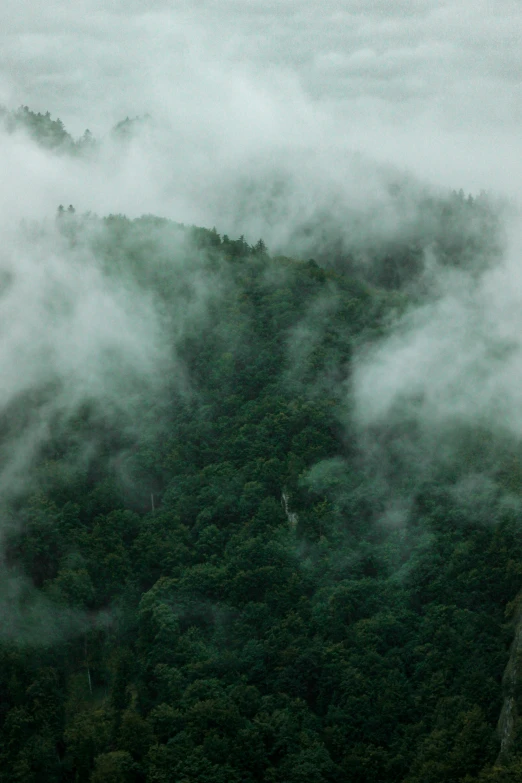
x,y
509,714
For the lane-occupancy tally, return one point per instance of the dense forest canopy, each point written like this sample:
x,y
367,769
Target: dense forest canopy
x,y
249,532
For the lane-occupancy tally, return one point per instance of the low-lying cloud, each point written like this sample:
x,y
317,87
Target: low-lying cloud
x,y
271,120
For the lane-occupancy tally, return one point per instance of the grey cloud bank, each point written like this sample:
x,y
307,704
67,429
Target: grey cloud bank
x,y
433,87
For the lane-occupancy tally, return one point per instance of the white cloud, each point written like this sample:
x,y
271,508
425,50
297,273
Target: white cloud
x,y
416,71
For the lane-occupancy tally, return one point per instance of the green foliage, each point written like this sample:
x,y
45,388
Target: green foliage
x,y
241,612
47,132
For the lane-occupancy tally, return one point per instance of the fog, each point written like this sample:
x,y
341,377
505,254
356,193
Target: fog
x,y
263,116
427,87
267,114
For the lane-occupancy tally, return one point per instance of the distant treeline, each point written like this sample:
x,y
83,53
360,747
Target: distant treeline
x,y
51,133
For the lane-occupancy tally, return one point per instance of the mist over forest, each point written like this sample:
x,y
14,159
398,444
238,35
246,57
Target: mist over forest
x,y
260,393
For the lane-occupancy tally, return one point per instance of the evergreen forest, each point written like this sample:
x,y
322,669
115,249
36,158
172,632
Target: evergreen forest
x,y
214,571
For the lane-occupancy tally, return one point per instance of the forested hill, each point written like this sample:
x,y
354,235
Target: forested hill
x,y
383,242
213,572
52,134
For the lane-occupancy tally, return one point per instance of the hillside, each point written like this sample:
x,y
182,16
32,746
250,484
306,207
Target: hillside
x,y
214,572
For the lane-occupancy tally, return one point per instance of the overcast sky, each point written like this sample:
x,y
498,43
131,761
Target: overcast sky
x,y
430,85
